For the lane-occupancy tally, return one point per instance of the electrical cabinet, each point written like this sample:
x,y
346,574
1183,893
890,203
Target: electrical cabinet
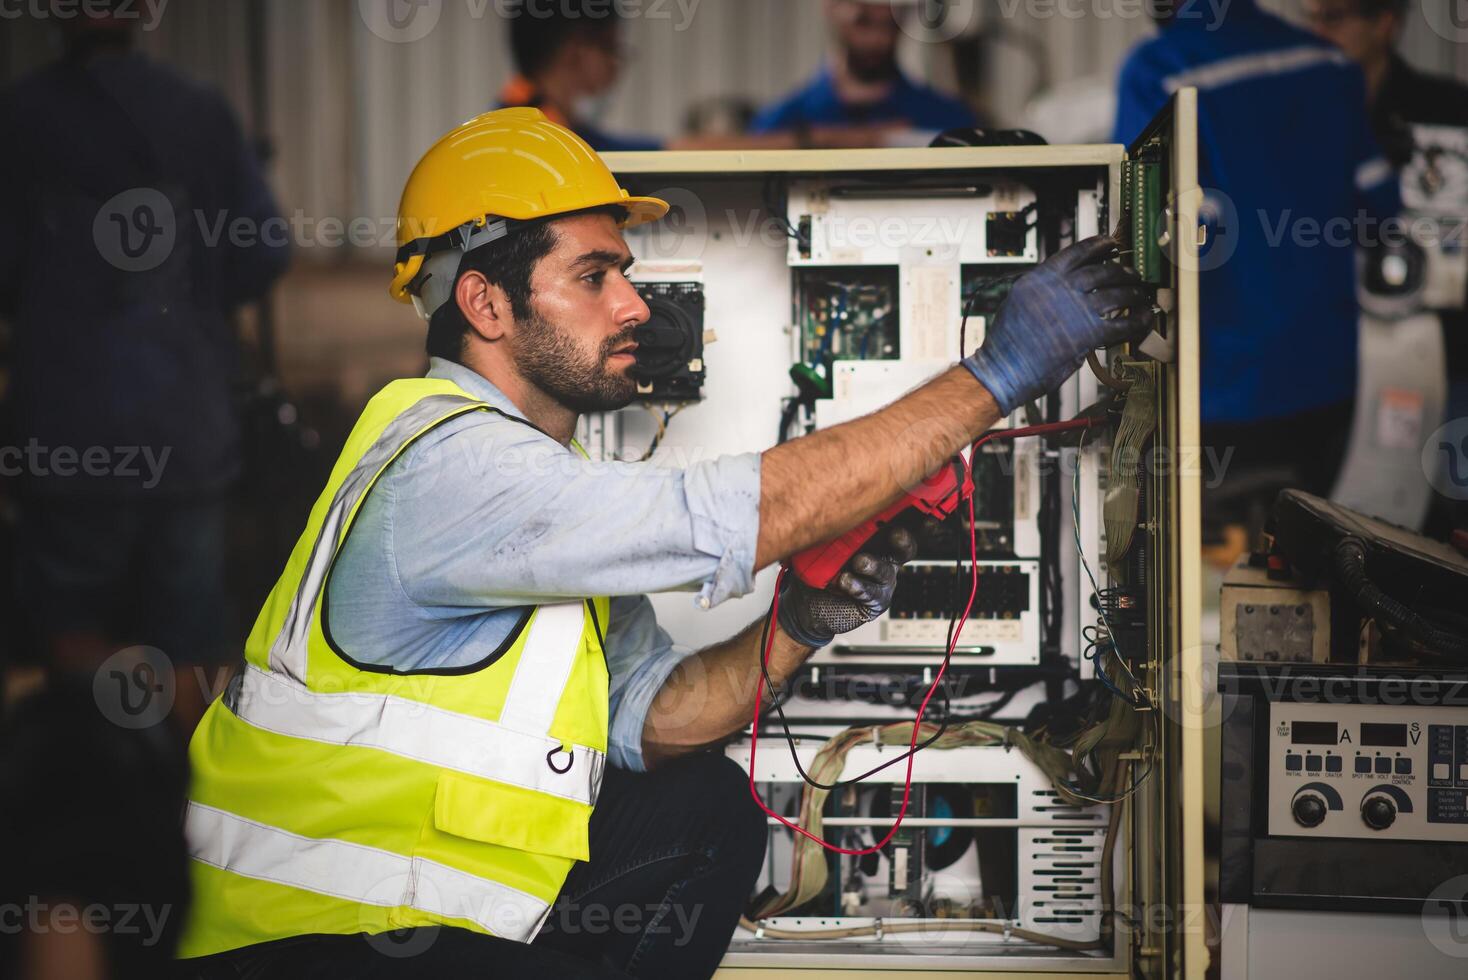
x,y
828,284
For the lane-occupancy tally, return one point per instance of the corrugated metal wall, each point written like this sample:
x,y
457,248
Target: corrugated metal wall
x,y
409,93
350,111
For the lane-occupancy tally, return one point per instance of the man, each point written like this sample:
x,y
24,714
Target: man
x,y
461,640
568,56
862,83
1401,97
125,348
1367,32
1284,148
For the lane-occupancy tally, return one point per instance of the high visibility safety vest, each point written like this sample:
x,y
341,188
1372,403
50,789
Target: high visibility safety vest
x,y
330,796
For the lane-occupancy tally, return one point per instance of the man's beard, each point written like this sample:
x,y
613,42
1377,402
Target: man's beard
x,y
550,359
871,68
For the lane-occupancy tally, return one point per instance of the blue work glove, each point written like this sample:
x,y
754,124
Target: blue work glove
x,y
1071,304
859,594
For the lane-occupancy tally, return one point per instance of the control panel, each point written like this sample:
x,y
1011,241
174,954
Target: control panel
x,y
1369,771
1003,627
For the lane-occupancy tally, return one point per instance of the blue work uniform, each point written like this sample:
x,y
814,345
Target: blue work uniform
x,y
1293,180
818,104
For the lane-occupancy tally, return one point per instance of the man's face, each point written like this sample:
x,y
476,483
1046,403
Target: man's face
x,y
577,346
1364,39
596,54
867,34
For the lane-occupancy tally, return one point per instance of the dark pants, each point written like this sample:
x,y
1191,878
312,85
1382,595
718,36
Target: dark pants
x,y
674,854
132,571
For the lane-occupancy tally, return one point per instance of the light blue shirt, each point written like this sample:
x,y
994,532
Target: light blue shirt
x,y
485,515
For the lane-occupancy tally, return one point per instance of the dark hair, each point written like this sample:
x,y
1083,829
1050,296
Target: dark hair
x,y
539,28
508,263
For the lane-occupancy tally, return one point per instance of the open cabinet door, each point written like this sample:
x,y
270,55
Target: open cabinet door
x,y
1161,198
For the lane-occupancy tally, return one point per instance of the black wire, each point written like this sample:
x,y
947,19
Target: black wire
x,y
778,213
787,416
790,737
993,707
942,687
972,297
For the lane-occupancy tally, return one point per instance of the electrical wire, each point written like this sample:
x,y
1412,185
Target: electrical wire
x,y
925,926
776,703
1075,504
662,423
953,622
1136,700
972,297
1137,783
1106,888
787,418
778,213
916,727
955,632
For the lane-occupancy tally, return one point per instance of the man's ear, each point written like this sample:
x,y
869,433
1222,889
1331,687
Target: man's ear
x,y
485,306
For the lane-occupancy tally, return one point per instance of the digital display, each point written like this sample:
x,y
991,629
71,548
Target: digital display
x,y
1314,732
1375,733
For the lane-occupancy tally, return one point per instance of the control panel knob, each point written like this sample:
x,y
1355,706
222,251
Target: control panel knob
x,y
1308,810
1378,812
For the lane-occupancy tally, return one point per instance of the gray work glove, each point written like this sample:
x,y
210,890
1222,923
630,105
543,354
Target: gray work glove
x,y
859,594
1071,304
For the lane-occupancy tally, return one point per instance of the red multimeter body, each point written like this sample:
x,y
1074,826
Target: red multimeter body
x,y
937,496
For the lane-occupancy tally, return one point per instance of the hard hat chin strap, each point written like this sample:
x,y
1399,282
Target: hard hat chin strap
x,y
443,255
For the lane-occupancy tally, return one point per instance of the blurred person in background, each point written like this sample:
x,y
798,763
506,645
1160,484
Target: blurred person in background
x,y
1279,331
862,84
1399,95
1402,97
569,56
138,222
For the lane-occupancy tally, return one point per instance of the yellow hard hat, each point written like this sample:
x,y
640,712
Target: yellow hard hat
x,y
510,164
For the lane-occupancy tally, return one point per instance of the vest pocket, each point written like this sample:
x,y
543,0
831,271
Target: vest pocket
x,y
497,813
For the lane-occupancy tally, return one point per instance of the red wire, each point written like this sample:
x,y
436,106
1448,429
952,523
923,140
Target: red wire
x,y
1083,422
1067,425
916,725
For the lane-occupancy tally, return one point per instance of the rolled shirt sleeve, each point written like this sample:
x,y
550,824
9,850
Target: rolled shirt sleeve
x,y
492,512
640,656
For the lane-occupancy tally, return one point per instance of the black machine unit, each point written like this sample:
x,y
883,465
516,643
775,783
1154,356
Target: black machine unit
x,y
1343,788
1345,781
670,344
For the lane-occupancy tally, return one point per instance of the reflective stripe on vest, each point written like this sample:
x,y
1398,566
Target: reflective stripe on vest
x,y
288,654
359,873
416,730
